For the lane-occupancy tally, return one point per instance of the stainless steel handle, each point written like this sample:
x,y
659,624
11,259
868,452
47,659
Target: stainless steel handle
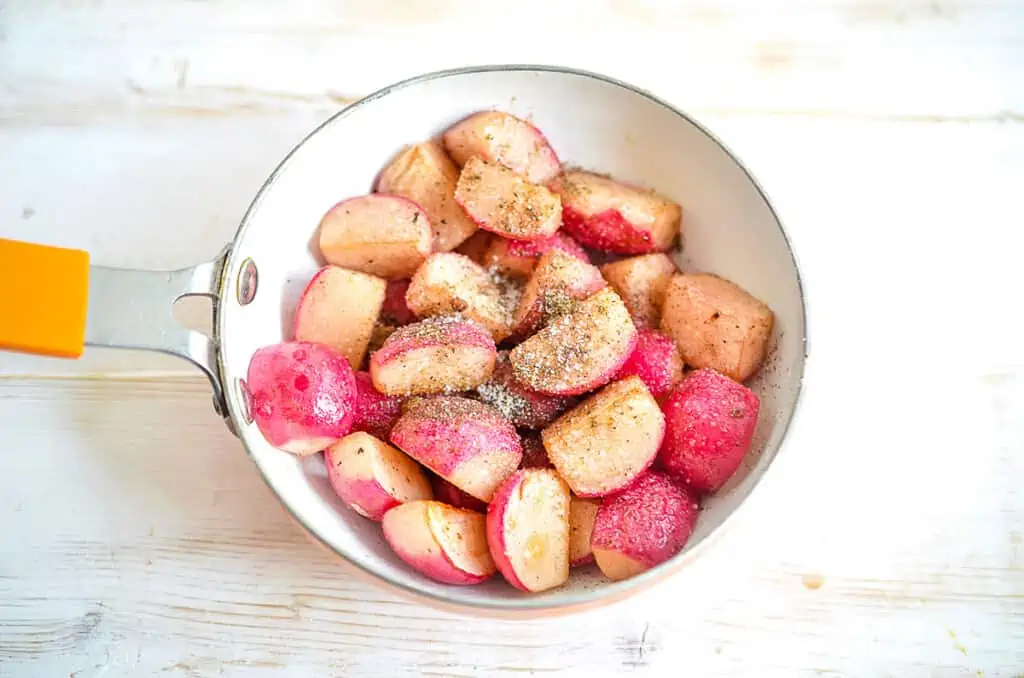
x,y
133,309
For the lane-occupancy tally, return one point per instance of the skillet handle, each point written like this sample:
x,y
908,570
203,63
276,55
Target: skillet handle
x,y
52,302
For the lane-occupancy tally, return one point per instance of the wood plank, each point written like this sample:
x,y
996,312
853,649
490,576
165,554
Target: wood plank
x,y
143,542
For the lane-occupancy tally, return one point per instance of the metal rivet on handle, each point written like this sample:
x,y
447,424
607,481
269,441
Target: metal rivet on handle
x,y
247,281
244,399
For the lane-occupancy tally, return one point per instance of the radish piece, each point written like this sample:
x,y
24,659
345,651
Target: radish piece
x,y
380,234
436,355
709,426
615,217
643,526
518,404
578,351
604,443
376,412
504,139
717,324
503,202
445,543
554,287
519,257
656,361
528,530
424,174
340,308
453,496
641,282
581,525
303,395
371,477
464,441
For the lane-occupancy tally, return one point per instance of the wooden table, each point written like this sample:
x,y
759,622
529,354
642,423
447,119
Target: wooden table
x,y
138,540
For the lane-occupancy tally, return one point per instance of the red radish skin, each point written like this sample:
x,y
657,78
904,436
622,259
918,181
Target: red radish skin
x,y
519,257
444,543
395,311
710,421
303,395
380,234
503,202
656,361
453,496
372,477
376,412
520,405
505,139
528,530
643,526
464,441
534,454
615,217
579,351
439,354
582,513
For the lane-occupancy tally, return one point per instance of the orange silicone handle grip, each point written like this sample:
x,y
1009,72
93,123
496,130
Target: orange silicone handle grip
x,y
43,299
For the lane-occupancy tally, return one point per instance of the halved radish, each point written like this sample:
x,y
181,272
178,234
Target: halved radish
x,y
436,355
464,441
643,526
426,175
445,543
581,525
371,476
554,287
339,308
615,217
380,234
503,202
641,281
578,351
604,443
303,395
528,530
519,257
504,139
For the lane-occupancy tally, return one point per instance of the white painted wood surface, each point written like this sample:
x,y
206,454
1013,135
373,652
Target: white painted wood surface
x,y
136,539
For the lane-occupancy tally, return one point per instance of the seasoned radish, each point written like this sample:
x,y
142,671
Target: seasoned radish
x,y
464,441
519,404
371,477
641,282
578,351
557,283
339,308
395,311
303,395
519,257
451,283
643,526
476,247
436,355
380,234
656,361
604,443
717,324
528,530
376,412
709,425
581,525
504,139
426,175
534,454
503,202
614,217
445,543
449,494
